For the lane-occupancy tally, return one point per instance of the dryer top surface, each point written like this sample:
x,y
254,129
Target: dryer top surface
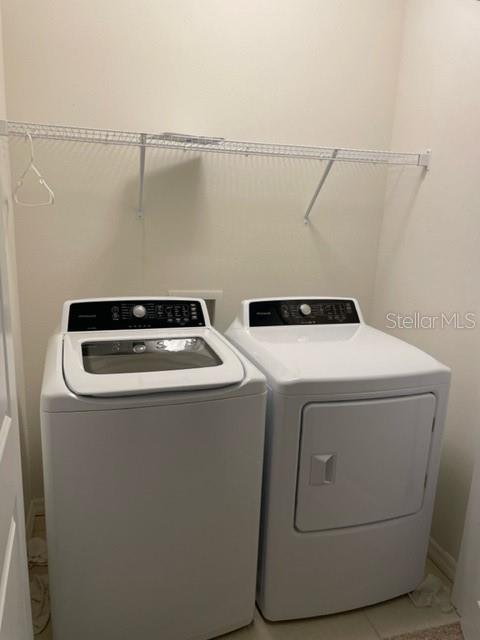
x,y
341,356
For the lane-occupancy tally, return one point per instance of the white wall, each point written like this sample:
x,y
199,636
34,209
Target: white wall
x,y
10,277
307,72
429,251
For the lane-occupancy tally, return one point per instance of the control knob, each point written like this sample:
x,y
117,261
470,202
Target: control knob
x,y
305,309
139,311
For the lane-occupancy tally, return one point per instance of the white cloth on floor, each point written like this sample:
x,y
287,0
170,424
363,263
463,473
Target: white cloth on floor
x,y
432,592
40,602
37,552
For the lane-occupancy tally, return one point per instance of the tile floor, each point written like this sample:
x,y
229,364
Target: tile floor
x,y
379,621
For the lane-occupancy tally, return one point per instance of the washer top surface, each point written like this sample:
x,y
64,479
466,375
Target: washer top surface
x,y
299,342
119,347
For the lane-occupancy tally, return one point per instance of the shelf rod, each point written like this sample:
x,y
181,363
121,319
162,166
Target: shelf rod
x,y
328,168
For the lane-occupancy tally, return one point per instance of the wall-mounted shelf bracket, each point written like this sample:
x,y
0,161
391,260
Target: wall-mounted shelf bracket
x,y
141,184
424,159
327,170
370,157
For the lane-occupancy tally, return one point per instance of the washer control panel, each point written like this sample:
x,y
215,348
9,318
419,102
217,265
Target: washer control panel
x,y
111,315
270,313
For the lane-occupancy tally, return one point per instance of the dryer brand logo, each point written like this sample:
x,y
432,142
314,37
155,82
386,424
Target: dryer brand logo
x,y
417,320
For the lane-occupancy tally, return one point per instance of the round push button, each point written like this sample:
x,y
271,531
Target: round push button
x,y
305,309
139,311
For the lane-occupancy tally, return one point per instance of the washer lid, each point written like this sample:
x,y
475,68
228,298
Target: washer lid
x,y
124,363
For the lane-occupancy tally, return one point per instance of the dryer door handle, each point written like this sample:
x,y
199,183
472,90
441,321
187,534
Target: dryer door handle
x,y
322,469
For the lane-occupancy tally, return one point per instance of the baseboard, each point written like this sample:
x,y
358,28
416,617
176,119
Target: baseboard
x,y
444,561
36,508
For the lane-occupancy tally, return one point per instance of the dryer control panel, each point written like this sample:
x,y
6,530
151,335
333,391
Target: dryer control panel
x,y
112,315
269,313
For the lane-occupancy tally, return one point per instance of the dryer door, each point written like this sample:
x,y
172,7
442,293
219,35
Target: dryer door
x,y
363,462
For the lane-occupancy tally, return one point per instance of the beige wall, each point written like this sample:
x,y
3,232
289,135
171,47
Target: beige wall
x,y
307,72
7,226
429,252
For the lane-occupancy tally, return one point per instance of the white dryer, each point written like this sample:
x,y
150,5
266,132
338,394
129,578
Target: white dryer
x,y
152,434
354,426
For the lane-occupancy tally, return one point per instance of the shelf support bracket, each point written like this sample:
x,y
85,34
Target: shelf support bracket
x,y
143,149
424,159
323,179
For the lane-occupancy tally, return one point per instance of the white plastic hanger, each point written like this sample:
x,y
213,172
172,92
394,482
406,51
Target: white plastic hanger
x,y
31,167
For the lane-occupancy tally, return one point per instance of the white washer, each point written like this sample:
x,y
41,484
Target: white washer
x,y
354,426
152,434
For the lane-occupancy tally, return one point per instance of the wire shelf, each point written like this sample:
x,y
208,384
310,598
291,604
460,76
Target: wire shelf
x,y
204,144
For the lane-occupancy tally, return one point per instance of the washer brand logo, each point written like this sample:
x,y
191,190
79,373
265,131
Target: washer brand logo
x,y
417,320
